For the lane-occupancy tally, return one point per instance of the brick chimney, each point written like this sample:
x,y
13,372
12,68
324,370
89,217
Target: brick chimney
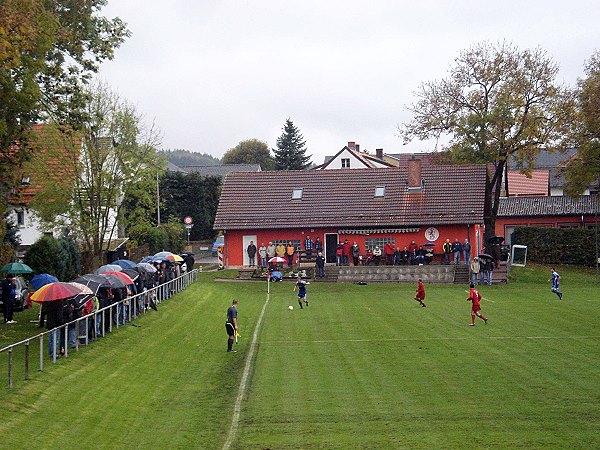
x,y
357,148
351,145
414,173
379,153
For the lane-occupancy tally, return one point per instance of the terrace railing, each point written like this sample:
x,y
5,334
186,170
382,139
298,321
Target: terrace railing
x,y
85,330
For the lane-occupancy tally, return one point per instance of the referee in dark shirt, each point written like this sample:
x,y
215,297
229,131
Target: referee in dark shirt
x,y
231,325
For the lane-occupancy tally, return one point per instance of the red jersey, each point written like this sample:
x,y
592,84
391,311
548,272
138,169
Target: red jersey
x,y
420,291
475,297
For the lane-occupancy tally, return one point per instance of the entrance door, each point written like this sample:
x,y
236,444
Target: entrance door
x,y
245,243
331,242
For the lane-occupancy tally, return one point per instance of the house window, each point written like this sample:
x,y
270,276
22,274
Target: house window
x,y
297,194
345,163
379,191
26,181
20,218
371,243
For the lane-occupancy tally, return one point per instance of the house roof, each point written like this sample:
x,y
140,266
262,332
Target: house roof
x,y
537,183
367,160
220,170
554,161
173,168
346,198
427,158
548,206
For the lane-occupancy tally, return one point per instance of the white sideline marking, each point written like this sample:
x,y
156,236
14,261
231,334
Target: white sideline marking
x,y
242,389
328,341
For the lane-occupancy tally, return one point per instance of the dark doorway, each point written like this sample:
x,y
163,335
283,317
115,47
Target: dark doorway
x,y
331,242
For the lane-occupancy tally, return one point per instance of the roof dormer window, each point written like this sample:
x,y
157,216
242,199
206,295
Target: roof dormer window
x,y
379,191
297,194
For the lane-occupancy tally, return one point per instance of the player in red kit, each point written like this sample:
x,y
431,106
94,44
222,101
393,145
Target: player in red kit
x,y
475,297
420,295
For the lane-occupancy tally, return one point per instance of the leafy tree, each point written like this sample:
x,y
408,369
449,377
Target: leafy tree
x,y
251,151
49,50
191,195
58,257
584,169
290,153
117,150
498,102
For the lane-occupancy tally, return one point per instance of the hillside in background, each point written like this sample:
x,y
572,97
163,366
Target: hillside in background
x,y
181,158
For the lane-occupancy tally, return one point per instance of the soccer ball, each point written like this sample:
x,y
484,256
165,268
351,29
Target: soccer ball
x,y
290,307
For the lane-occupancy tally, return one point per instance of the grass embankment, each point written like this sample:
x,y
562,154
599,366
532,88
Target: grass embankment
x,y
362,367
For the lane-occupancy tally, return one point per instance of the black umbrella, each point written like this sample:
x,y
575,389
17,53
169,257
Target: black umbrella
x,y
80,300
428,244
113,281
132,273
485,256
93,284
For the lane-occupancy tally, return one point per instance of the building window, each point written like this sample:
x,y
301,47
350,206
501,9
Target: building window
x,y
295,243
297,194
20,218
379,191
371,243
345,163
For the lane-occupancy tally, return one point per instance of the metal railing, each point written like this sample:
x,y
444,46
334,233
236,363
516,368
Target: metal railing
x,y
84,330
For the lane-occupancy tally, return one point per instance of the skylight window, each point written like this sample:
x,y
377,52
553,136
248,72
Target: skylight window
x,y
379,191
297,194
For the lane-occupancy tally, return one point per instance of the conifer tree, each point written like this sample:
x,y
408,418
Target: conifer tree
x,y
290,153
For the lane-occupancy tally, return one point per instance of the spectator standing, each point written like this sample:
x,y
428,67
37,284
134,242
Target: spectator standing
x,y
280,251
55,318
262,252
404,256
271,250
289,251
489,268
251,250
388,250
9,296
338,254
447,248
466,248
320,265
456,248
308,246
475,267
346,251
412,252
355,253
318,245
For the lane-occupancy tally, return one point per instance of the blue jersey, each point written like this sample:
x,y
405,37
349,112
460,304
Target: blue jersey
x,y
555,280
301,288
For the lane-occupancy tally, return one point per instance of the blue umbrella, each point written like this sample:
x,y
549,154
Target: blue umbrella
x,y
42,279
124,263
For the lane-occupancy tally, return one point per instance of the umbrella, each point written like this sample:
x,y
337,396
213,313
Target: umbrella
x,y
81,299
162,254
134,274
16,268
58,291
147,267
108,268
168,256
82,287
42,279
112,281
277,259
146,259
123,276
428,244
485,256
124,263
94,285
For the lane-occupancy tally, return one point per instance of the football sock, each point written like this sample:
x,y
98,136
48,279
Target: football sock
x,y
300,303
229,344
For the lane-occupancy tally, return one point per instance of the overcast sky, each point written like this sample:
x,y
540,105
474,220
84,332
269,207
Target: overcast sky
x,y
213,73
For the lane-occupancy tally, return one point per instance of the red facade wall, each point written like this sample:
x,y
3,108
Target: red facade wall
x,y
234,248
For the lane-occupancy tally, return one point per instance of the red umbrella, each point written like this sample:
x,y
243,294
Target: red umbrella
x,y
59,291
277,259
123,276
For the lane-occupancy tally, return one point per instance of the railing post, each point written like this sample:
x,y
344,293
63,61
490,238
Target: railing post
x,y
41,352
54,342
27,360
66,340
77,329
110,318
10,384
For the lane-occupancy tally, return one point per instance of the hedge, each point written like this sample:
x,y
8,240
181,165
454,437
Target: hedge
x,y
558,245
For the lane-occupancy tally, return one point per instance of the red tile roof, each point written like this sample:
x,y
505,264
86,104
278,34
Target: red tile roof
x,y
521,185
345,197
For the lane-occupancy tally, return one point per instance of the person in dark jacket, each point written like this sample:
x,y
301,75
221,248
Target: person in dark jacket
x,y
251,250
9,296
55,318
320,265
457,249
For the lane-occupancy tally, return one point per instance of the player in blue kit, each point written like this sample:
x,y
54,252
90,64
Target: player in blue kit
x,y
301,286
555,279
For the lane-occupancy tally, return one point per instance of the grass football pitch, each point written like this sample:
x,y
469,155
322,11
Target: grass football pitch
x,y
361,367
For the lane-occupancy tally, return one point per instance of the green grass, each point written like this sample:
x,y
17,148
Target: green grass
x,y
362,367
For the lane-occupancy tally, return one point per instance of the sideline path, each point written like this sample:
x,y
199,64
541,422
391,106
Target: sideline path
x,y
242,389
